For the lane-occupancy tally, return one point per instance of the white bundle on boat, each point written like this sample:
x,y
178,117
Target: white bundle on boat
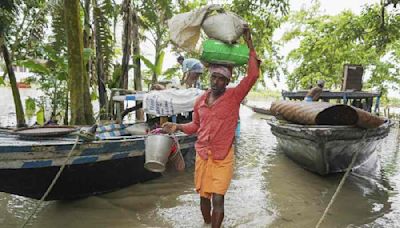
x,y
170,101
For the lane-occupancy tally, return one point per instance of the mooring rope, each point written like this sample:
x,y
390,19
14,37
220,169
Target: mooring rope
x,y
349,168
38,204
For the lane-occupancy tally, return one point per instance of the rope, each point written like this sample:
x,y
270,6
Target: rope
x,y
340,185
38,204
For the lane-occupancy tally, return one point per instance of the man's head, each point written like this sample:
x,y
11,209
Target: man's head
x,y
180,59
321,83
220,77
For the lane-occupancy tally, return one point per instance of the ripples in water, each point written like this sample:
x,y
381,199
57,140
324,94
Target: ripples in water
x,y
268,190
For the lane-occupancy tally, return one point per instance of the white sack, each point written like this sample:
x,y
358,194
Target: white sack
x,y
226,27
170,101
184,29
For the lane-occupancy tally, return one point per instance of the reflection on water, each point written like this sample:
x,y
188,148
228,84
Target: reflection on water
x,y
268,190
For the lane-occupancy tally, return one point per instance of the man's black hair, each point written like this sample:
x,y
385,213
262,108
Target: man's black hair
x,y
180,58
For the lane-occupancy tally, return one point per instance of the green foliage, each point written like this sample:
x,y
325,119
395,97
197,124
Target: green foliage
x,y
2,81
51,76
114,82
104,13
157,68
159,63
58,39
40,116
87,55
263,17
171,72
153,17
7,14
186,6
258,95
26,31
30,107
329,42
167,74
393,102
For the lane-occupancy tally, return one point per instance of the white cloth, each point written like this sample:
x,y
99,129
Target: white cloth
x,y
170,101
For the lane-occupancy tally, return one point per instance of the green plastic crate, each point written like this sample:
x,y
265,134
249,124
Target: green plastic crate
x,y
217,52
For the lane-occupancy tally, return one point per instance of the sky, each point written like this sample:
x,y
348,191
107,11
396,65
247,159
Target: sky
x,y
331,7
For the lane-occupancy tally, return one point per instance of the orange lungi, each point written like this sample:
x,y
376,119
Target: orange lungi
x,y
213,176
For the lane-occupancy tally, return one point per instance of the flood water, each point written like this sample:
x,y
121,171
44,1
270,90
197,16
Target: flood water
x,y
268,190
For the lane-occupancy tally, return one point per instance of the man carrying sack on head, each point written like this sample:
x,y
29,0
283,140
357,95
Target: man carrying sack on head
x,y
215,118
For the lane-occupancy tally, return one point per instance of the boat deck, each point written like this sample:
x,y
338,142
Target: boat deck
x,y
9,138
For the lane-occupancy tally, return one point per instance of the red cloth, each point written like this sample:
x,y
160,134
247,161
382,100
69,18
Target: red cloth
x,y
215,125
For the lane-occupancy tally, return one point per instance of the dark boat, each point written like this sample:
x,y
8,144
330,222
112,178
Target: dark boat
x,y
325,149
28,166
323,137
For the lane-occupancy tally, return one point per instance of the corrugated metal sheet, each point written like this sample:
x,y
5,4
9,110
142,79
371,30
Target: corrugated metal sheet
x,y
311,113
367,120
323,113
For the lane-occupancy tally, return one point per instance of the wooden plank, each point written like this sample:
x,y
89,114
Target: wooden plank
x,y
332,95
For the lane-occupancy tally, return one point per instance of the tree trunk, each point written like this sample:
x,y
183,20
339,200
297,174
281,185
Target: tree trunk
x,y
136,60
81,106
11,75
100,65
154,77
126,42
66,110
86,31
156,58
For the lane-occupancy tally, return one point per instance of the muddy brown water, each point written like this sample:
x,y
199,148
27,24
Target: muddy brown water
x,y
268,190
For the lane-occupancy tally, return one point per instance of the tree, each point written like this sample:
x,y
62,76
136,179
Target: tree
x,y
81,107
264,17
103,12
127,11
154,16
136,59
329,42
7,13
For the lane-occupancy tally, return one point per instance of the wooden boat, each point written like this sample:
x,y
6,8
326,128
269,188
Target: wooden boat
x,y
327,149
23,85
28,165
259,110
264,111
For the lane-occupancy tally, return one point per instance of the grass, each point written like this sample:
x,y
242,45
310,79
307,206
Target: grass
x,y
393,102
259,95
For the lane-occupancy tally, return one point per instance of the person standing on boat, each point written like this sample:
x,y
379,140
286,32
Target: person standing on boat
x,y
314,93
215,117
192,70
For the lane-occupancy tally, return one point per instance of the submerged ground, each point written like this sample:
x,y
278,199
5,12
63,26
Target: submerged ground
x,y
268,190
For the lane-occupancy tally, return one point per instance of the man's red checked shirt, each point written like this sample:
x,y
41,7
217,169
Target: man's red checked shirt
x,y
215,125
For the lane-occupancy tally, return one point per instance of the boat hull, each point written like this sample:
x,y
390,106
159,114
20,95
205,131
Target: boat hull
x,y
324,149
96,168
76,181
